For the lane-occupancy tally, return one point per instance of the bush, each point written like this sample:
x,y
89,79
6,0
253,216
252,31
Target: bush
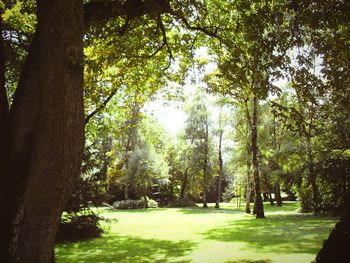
x,y
305,197
128,204
79,226
134,204
152,203
185,203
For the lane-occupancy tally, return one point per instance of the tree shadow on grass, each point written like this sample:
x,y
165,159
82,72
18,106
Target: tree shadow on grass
x,y
129,211
200,210
250,261
231,208
278,233
288,206
114,248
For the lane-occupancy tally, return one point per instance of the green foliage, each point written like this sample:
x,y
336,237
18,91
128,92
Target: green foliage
x,y
128,204
139,164
135,204
305,196
79,226
20,16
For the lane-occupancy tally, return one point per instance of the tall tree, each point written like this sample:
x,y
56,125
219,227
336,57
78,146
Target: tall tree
x,y
250,56
220,161
45,125
197,130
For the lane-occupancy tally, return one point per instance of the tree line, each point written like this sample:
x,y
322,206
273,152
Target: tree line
x,y
68,65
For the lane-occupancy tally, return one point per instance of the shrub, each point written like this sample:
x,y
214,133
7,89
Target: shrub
x,y
184,203
305,197
152,203
128,204
134,204
79,226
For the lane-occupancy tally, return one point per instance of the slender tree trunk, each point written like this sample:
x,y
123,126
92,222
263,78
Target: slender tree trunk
x,y
249,191
258,204
126,191
265,197
312,177
240,194
206,163
47,131
278,195
221,172
268,187
145,200
183,187
205,204
255,205
346,180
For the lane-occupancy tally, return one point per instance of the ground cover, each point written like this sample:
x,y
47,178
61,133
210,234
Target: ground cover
x,y
204,235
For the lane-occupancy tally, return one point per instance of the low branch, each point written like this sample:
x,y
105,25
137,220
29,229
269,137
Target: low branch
x,y
205,30
101,106
106,9
165,39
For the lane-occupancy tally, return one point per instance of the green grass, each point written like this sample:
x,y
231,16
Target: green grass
x,y
204,235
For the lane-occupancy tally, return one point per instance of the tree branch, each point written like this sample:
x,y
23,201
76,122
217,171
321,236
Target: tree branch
x,y
165,39
101,107
205,30
107,9
246,108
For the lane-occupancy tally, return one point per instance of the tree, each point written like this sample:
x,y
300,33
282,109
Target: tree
x,y
220,161
197,131
250,56
181,175
43,132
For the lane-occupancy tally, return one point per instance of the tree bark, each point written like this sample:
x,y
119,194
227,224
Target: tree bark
x,y
183,187
5,191
337,244
102,10
268,187
126,191
206,163
47,131
221,171
42,137
258,204
278,195
312,177
248,194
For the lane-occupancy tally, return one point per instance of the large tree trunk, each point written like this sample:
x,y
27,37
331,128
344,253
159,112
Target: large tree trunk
x,y
47,131
258,204
41,139
337,245
5,190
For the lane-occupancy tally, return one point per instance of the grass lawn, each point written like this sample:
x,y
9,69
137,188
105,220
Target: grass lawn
x,y
204,235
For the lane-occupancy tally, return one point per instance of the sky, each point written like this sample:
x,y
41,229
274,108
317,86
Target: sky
x,y
168,115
